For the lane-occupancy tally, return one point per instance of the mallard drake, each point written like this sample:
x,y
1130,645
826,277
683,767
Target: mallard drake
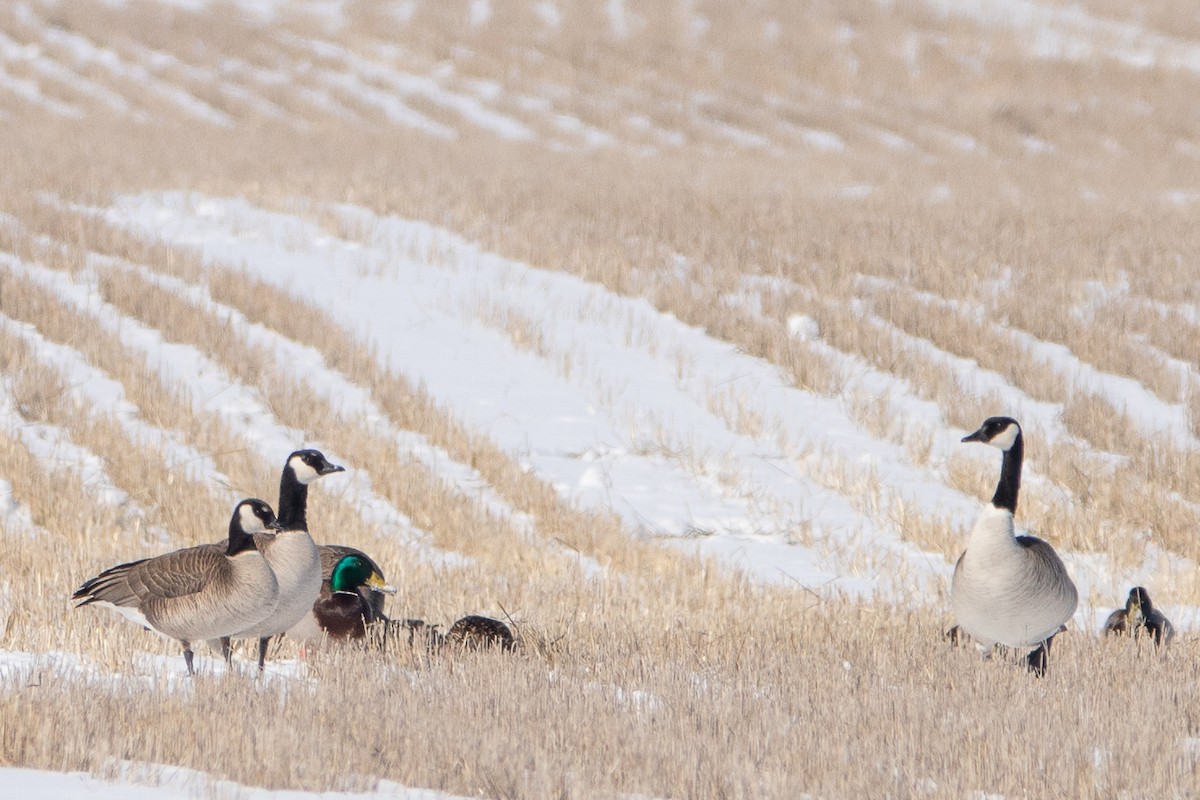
x,y
1008,589
309,628
347,610
196,593
1139,615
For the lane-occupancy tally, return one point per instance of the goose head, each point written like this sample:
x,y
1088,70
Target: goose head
x,y
1003,433
308,465
999,432
249,517
255,516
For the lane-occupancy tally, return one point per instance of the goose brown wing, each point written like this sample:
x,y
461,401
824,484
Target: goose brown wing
x,y
1047,575
110,586
1044,553
181,573
137,583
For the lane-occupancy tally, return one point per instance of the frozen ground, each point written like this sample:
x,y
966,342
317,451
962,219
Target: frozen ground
x,y
152,782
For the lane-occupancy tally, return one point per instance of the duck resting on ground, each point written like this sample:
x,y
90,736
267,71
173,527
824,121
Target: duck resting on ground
x,y
310,627
347,610
196,593
1007,589
472,632
1139,615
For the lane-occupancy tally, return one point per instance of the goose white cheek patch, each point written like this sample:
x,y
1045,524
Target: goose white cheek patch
x,y
249,521
1005,438
304,473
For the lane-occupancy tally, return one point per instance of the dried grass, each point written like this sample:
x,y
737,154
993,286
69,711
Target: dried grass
x,y
939,231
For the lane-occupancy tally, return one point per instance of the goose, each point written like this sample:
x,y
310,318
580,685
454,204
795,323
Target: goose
x,y
310,628
196,593
347,609
1008,589
291,552
1138,615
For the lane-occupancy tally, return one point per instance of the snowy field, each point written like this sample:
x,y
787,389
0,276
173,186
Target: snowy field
x,y
144,782
683,417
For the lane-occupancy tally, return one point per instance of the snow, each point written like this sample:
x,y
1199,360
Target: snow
x,y
31,92
52,445
211,389
84,52
548,13
363,74
1069,32
102,396
823,140
613,403
622,407
352,401
14,515
480,11
157,782
617,405
10,50
618,18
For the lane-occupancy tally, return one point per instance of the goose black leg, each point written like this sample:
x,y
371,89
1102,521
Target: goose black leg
x,y
227,651
1039,660
262,652
187,657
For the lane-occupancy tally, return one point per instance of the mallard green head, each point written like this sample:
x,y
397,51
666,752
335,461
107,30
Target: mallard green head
x,y
352,572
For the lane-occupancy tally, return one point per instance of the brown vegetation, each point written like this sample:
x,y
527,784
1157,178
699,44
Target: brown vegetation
x,y
922,185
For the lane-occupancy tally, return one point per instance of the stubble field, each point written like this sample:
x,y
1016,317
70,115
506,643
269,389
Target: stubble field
x,y
651,328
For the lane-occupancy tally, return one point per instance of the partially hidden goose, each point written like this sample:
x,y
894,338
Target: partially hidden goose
x,y
1008,589
291,552
1139,615
310,628
196,593
347,610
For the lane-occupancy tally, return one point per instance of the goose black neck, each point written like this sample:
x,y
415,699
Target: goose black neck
x,y
293,502
239,540
1010,476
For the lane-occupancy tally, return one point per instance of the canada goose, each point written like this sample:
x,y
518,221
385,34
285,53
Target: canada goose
x,y
195,593
1138,615
1007,589
292,553
309,628
347,610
